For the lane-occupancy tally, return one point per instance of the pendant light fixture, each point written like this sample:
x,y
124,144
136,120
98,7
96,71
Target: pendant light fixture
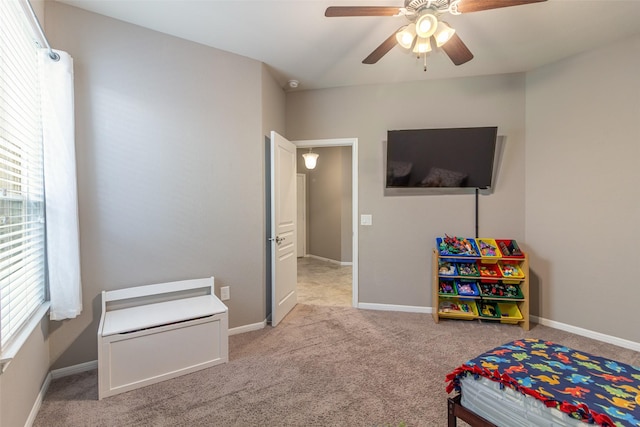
x,y
310,159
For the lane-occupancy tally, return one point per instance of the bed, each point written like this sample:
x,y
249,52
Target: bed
x,y
535,383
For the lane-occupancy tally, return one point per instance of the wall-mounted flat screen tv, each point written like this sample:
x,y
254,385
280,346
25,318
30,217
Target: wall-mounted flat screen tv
x,y
450,160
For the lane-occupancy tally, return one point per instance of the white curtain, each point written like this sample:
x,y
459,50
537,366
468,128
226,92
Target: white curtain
x,y
61,198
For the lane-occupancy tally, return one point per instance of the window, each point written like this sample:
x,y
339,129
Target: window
x,y
22,225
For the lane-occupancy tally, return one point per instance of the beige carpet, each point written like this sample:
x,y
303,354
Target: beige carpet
x,y
322,366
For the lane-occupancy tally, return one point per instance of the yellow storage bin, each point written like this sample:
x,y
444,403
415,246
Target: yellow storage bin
x,y
455,308
489,250
510,313
510,270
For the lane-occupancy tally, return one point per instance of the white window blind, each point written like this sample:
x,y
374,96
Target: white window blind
x,y
22,226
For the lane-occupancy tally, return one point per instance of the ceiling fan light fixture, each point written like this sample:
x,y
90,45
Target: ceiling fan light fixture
x,y
443,34
426,25
406,35
423,45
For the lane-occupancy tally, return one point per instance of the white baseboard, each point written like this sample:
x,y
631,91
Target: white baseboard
x,y
38,403
620,342
75,369
56,373
248,328
392,307
341,263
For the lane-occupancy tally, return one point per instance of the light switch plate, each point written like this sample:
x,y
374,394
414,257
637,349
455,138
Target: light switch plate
x,y
366,219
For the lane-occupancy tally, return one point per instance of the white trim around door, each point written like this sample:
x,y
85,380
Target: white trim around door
x,y
353,143
301,208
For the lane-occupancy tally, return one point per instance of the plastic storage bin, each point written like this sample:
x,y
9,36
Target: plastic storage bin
x,y
509,248
509,312
510,270
457,246
447,287
468,269
491,271
457,309
447,268
490,310
467,288
488,250
494,289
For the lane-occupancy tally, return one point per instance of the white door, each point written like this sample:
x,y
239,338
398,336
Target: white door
x,y
301,229
284,268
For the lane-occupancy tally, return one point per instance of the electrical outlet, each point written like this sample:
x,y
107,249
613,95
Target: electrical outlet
x,y
224,293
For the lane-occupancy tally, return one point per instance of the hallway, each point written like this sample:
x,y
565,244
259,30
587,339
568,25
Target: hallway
x,y
324,283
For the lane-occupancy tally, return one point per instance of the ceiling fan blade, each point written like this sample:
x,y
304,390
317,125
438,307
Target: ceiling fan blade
x,y
334,11
457,51
466,6
381,50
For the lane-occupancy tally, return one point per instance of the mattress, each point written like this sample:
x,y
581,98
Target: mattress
x,y
531,382
506,407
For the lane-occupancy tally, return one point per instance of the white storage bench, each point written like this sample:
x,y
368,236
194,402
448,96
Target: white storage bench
x,y
152,333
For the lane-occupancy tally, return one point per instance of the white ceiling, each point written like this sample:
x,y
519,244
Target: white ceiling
x,y
296,40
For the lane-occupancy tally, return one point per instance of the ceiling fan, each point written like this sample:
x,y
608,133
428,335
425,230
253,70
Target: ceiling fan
x,y
424,25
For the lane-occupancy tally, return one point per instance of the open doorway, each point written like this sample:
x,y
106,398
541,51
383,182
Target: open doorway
x,y
327,258
324,282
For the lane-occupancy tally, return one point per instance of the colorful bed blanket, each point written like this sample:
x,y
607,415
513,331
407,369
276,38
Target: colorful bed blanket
x,y
589,388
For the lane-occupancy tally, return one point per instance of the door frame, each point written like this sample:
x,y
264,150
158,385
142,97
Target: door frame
x,y
353,143
302,204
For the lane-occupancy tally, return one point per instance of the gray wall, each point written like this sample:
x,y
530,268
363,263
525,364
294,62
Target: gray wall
x,y
583,204
329,224
170,149
395,252
20,383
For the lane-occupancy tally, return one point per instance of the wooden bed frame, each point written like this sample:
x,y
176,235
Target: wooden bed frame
x,y
456,410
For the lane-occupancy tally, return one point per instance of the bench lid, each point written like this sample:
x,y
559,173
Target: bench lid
x,y
162,313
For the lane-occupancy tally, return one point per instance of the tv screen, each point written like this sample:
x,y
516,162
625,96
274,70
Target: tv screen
x,y
452,158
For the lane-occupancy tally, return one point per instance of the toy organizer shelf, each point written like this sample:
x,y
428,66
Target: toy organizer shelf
x,y
481,288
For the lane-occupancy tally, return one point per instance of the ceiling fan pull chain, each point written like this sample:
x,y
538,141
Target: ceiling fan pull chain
x,y
425,62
